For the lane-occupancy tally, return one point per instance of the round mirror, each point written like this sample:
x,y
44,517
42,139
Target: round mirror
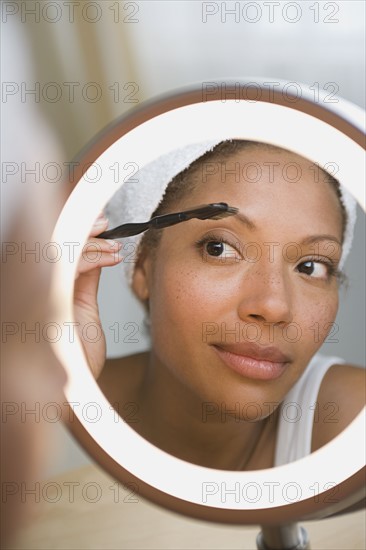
x,y
292,290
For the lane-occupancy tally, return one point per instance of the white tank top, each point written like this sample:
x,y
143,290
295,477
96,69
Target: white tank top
x,y
297,411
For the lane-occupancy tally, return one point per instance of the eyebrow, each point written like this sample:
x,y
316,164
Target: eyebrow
x,y
317,238
245,220
307,240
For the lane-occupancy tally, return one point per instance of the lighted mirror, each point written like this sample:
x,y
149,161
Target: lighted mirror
x,y
231,405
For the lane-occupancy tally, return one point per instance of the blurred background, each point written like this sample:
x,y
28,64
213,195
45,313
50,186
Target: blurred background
x,y
95,61
106,57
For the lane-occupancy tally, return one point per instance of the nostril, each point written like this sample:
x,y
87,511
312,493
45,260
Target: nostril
x,y
256,317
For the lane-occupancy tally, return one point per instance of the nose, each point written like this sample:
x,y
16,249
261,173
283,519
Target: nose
x,y
266,295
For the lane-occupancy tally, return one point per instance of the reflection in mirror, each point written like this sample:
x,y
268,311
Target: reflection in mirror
x,y
230,374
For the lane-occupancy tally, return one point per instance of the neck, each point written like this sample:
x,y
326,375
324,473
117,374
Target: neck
x,y
172,418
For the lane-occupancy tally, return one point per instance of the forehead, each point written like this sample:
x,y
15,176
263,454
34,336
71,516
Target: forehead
x,y
276,188
262,163
265,176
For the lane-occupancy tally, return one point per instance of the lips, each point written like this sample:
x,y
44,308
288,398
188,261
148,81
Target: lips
x,y
253,361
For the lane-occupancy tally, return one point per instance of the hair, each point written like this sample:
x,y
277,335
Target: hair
x,y
182,185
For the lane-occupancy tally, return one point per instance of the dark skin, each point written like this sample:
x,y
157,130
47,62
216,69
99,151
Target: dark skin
x,y
186,287
332,387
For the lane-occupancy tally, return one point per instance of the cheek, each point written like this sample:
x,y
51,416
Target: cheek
x,y
181,297
182,302
318,321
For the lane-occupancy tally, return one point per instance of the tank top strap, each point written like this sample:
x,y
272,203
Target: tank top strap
x,y
297,411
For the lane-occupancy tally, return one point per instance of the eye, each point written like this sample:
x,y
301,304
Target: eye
x,y
212,247
219,248
316,269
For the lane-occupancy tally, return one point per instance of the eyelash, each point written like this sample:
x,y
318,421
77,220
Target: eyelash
x,y
332,270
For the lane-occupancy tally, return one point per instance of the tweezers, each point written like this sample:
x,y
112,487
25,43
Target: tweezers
x,y
203,212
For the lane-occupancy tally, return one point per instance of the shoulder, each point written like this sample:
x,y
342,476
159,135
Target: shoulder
x,y
341,397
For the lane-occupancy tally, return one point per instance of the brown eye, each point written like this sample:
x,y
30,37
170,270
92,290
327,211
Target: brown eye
x,y
317,270
215,248
307,268
222,250
212,246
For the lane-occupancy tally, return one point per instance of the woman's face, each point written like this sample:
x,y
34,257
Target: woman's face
x,y
215,286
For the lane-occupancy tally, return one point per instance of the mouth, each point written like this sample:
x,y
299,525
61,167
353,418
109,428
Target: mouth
x,y
253,361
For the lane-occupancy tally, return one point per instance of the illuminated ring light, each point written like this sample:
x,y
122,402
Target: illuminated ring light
x,y
318,130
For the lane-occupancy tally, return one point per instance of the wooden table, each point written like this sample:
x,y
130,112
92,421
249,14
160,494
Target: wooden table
x,y
92,511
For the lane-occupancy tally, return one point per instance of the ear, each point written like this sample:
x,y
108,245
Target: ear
x,y
141,279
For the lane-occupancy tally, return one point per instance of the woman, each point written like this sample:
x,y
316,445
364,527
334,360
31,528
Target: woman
x,y
238,308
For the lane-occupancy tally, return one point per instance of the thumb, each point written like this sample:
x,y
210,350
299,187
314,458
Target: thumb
x,y
86,286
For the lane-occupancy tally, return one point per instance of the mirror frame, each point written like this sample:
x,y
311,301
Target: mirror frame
x,y
343,117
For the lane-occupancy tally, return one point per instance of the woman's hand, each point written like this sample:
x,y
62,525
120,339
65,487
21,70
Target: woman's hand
x,y
97,253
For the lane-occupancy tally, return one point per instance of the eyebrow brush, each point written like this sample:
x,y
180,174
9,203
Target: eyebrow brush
x,y
214,211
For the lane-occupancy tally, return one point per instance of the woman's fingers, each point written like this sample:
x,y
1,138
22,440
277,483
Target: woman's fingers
x,y
96,254
99,253
100,224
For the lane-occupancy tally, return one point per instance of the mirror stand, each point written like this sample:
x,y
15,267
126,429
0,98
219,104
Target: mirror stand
x,y
283,537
